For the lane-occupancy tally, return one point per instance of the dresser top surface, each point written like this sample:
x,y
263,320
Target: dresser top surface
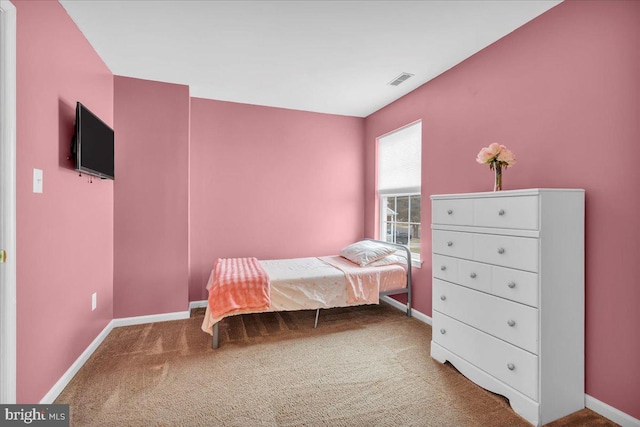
x,y
506,193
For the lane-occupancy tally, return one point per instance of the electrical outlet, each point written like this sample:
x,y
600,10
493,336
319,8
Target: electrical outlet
x,y
94,301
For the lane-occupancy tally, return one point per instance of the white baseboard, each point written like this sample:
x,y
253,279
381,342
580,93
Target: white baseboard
x,y
400,306
152,318
197,304
115,323
75,367
610,412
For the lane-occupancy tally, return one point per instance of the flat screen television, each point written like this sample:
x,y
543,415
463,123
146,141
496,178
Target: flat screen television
x,y
92,145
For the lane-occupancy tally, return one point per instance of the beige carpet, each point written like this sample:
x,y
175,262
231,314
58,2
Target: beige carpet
x,y
363,366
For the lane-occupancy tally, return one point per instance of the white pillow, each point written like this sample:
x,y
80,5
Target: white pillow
x,y
389,260
365,252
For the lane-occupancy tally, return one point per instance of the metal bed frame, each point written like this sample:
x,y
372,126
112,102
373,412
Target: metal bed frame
x,y
215,341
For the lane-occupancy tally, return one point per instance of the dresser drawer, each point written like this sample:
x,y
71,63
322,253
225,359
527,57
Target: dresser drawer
x,y
452,243
511,365
507,251
516,285
474,275
452,212
445,268
507,320
506,212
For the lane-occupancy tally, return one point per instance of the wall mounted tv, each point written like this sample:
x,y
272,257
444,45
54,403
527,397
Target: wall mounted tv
x,y
92,145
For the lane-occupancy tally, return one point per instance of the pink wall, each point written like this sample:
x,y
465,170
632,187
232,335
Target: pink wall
x,y
562,92
151,202
65,234
271,183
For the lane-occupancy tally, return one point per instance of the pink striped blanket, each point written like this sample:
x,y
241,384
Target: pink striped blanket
x,y
239,285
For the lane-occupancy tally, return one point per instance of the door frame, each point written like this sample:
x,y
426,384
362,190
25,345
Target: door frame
x,y
8,330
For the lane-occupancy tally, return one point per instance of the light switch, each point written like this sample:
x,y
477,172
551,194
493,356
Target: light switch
x,y
37,180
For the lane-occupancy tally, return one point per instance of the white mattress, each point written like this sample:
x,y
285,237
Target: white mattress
x,y
305,284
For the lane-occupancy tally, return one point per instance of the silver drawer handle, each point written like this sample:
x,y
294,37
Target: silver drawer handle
x,y
501,212
511,366
512,285
443,331
443,268
449,211
511,322
443,297
449,243
501,250
472,275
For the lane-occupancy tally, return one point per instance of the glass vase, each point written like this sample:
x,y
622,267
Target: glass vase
x,y
497,182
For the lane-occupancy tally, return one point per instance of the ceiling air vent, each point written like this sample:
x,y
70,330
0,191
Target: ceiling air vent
x,y
402,77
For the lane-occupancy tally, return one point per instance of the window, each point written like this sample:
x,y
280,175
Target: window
x,y
399,182
401,223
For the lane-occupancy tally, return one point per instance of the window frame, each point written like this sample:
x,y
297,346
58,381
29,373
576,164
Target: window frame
x,y
416,258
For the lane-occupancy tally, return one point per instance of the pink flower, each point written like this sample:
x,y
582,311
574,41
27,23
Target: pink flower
x,y
484,156
496,154
489,154
506,157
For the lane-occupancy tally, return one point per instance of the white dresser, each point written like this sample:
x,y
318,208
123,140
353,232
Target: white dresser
x,y
508,295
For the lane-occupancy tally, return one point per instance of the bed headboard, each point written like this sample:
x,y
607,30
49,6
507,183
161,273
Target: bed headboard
x,y
408,288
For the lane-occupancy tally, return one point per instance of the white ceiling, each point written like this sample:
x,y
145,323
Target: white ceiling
x,y
324,56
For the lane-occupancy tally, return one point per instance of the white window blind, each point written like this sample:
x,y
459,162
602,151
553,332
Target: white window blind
x,y
399,159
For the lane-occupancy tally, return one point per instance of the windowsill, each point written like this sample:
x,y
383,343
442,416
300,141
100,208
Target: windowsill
x,y
416,263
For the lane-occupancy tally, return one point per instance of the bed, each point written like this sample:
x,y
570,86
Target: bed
x,y
360,274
